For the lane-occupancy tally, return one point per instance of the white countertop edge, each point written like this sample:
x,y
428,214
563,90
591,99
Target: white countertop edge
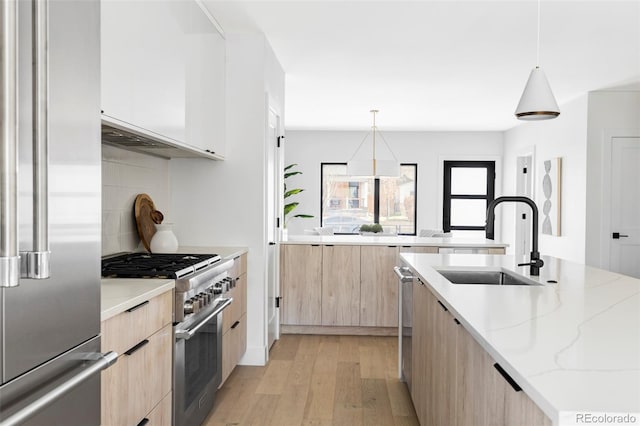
x,y
117,297
399,240
225,252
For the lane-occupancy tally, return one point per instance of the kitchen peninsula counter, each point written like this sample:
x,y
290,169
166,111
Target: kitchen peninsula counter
x,y
573,346
394,240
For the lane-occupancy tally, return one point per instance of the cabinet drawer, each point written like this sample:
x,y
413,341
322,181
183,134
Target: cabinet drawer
x,y
239,305
138,381
234,345
161,414
125,330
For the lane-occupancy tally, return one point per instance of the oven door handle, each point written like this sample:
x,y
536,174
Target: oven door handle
x,y
188,334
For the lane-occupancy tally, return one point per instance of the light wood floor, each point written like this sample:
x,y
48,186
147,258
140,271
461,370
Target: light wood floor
x,y
318,380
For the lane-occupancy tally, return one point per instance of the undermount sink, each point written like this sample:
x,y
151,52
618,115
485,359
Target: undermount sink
x,y
485,277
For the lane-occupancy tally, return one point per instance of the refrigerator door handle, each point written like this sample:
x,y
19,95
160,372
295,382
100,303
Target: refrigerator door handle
x,y
35,263
102,362
9,257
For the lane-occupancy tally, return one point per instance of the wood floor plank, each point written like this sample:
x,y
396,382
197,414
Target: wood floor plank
x,y
348,349
320,383
275,378
375,401
373,364
347,407
399,398
285,349
260,410
323,382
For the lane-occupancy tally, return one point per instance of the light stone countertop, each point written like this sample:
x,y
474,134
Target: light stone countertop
x,y
399,240
224,252
119,294
573,346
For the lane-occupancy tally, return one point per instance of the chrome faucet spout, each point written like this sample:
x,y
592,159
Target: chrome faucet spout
x,y
536,263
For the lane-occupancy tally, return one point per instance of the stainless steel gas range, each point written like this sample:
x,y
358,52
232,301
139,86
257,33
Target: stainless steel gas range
x,y
202,281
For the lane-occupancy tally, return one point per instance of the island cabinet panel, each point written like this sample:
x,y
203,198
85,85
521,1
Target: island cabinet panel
x,y
301,279
454,381
418,249
378,286
340,285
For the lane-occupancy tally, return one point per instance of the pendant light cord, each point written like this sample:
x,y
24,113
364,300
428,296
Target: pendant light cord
x,y
538,39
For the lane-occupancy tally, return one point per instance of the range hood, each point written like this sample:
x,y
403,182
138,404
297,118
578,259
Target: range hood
x,y
130,137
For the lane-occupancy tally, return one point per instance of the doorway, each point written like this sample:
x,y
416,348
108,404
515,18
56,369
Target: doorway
x,y
624,235
273,195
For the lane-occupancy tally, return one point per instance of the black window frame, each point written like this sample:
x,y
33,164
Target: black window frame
x,y
489,196
376,197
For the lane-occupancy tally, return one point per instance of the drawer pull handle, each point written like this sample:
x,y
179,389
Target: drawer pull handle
x,y
136,347
143,422
135,308
235,324
507,377
442,306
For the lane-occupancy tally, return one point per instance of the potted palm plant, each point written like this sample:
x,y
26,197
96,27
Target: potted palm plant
x,y
290,206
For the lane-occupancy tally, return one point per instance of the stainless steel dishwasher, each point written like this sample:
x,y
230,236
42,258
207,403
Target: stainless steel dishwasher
x,y
405,303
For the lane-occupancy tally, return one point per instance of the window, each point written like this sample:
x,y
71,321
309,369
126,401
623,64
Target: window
x,y
351,201
469,186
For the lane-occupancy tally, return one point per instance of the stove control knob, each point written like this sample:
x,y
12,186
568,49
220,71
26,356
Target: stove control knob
x,y
217,290
188,307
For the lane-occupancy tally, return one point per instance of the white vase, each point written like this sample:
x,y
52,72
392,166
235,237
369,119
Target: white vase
x,y
164,240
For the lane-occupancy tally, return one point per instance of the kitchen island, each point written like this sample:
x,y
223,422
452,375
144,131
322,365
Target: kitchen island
x,y
344,284
572,345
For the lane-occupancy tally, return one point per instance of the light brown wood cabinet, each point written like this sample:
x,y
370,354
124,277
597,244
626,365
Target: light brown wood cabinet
x,y
340,285
234,319
138,383
454,381
301,284
378,286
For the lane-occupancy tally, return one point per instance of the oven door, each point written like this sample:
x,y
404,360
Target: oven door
x,y
197,365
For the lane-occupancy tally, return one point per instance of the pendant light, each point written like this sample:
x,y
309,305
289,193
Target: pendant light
x,y
373,166
537,101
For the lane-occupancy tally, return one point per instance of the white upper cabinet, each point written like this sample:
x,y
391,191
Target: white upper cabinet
x,y
163,69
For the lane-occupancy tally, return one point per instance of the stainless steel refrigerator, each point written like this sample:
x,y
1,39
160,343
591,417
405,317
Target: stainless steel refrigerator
x,y
50,212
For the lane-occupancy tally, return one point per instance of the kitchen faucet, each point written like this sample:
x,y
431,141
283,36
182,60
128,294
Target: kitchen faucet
x,y
535,263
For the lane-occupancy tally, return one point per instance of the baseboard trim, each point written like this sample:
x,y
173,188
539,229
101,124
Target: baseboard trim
x,y
254,355
339,330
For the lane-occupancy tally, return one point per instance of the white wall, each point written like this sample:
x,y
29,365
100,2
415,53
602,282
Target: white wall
x,y
126,174
610,114
564,137
222,203
427,149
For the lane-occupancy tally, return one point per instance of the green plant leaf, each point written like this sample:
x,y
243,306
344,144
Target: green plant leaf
x,y
305,216
286,175
292,192
290,166
289,207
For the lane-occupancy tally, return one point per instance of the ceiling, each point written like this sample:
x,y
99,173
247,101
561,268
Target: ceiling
x,y
436,65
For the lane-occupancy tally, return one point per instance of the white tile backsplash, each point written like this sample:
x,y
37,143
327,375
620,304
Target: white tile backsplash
x,y
126,174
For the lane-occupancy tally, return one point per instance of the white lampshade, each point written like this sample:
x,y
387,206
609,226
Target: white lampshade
x,y
373,167
537,101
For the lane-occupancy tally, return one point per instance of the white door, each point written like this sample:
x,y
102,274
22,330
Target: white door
x,y
624,251
272,181
524,186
